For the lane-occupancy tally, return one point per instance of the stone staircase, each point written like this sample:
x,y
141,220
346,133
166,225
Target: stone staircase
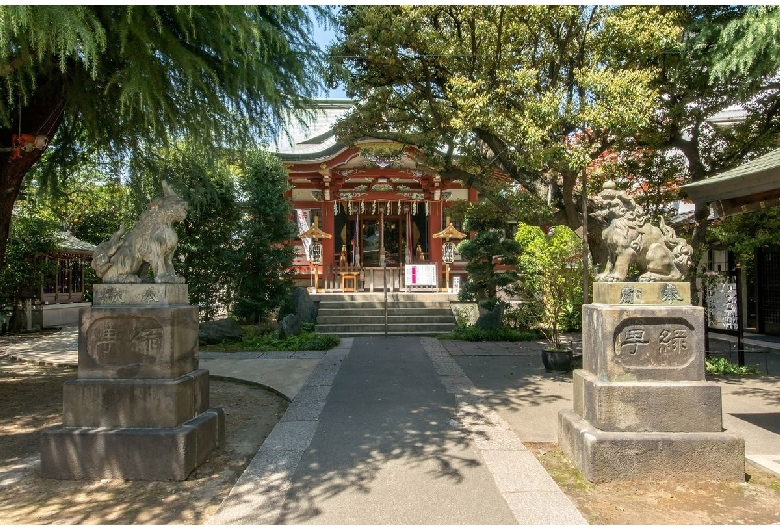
x,y
364,314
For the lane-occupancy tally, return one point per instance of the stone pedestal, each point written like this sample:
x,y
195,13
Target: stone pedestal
x,y
139,408
642,406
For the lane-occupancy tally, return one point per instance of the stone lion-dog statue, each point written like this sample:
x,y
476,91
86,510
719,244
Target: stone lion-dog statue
x,y
630,238
151,243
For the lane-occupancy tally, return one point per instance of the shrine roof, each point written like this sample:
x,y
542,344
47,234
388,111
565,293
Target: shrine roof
x,y
67,242
746,187
315,138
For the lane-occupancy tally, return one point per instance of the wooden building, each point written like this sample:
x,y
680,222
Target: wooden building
x,y
749,187
371,196
64,292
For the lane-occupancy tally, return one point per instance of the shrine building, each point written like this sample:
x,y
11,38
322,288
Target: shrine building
x,y
372,198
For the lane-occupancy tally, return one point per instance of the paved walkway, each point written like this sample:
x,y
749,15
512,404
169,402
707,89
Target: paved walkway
x,y
405,430
389,430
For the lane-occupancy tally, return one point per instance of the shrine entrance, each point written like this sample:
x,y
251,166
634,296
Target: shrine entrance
x,y
394,240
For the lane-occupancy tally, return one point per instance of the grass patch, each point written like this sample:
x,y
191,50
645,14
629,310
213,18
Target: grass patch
x,y
261,340
721,366
475,334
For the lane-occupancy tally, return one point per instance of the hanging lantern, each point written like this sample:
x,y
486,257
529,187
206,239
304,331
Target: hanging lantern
x,y
448,252
316,253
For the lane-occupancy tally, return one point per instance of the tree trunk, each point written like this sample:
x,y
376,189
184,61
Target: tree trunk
x,y
691,150
41,115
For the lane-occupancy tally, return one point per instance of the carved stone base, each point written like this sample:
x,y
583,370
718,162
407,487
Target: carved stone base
x,y
76,453
606,456
642,293
146,403
643,343
659,406
642,406
139,408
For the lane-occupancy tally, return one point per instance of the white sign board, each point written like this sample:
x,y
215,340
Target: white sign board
x,y
421,276
721,304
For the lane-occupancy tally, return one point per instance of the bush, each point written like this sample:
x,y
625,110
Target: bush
x,y
270,341
721,366
475,334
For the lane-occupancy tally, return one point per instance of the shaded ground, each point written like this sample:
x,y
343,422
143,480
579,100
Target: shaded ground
x,y
31,400
755,502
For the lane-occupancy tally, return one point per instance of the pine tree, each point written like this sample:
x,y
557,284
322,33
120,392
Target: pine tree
x,y
265,255
134,77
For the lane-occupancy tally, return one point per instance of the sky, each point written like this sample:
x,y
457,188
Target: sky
x,y
324,37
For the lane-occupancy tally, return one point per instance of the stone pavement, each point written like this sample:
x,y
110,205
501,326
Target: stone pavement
x,y
404,430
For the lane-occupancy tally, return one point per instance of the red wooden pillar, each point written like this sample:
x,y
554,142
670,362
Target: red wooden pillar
x,y
329,227
434,245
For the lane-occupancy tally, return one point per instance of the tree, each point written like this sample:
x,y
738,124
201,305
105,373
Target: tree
x,y
481,252
32,238
90,200
130,78
551,268
503,85
264,256
749,46
206,255
691,96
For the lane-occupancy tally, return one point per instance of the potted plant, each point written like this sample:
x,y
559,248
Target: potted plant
x,y
551,268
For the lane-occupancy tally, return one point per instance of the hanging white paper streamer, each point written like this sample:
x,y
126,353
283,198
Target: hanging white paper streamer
x,y
349,207
362,207
427,208
336,207
373,209
414,208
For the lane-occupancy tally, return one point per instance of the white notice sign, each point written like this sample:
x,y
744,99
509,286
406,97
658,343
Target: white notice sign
x,y
421,276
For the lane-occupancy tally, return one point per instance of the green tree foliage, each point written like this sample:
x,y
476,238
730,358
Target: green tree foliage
x,y
551,283
32,237
690,96
206,255
484,251
90,200
131,78
264,255
749,47
745,233
504,85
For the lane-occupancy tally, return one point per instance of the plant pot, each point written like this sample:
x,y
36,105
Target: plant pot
x,y
557,360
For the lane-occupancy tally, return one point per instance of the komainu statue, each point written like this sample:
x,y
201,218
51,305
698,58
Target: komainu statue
x,y
630,238
151,243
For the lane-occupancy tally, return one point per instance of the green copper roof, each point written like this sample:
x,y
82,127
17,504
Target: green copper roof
x,y
69,242
756,176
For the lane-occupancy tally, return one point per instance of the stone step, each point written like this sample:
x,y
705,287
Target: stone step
x,y
364,313
372,310
380,304
396,329
391,319
380,296
378,311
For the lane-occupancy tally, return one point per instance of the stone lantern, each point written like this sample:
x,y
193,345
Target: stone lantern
x,y
448,247
315,252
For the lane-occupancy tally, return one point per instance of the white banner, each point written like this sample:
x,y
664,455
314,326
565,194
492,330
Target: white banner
x,y
303,225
